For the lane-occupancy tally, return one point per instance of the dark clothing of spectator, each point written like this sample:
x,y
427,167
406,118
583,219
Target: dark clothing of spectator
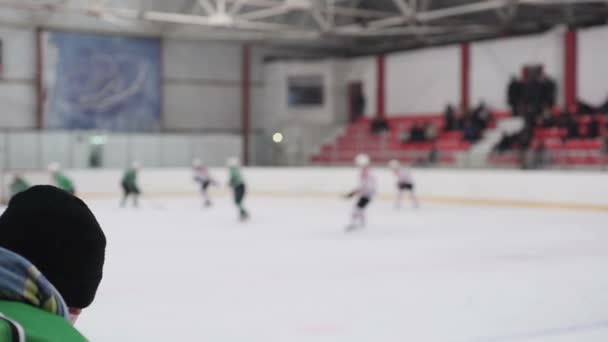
x,y
358,106
417,134
548,90
548,121
450,118
593,130
471,131
533,96
380,125
481,116
515,94
586,109
573,128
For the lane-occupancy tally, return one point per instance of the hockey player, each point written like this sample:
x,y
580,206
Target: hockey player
x,y
18,185
129,185
405,182
365,192
237,184
60,179
202,176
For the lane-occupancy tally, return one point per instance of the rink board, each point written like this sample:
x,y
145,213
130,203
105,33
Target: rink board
x,y
541,189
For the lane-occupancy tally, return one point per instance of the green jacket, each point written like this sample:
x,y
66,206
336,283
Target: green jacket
x,y
18,185
236,178
64,183
130,178
38,325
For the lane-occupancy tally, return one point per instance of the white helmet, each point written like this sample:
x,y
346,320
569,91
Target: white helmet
x,y
362,160
394,164
197,162
135,164
54,167
233,162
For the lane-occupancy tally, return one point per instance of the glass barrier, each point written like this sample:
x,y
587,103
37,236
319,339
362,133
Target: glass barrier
x,y
77,149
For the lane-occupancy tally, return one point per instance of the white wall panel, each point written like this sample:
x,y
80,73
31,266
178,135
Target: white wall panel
x,y
198,107
592,66
424,81
19,53
17,91
494,62
18,101
187,60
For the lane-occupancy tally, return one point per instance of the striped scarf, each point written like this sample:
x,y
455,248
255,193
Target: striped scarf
x,y
20,281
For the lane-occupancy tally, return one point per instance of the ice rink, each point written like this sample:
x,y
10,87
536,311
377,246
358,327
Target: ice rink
x,y
178,272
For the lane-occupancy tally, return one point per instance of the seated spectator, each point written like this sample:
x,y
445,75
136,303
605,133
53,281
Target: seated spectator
x,y
586,109
449,117
573,128
430,132
564,119
482,116
547,120
405,137
417,133
380,125
471,132
593,129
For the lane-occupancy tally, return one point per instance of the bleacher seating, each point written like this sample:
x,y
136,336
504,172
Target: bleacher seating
x,y
563,151
358,138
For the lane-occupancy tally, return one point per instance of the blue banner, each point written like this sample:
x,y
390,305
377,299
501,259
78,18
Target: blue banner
x,y
102,82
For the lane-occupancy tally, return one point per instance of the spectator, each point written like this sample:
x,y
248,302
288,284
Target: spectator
x,y
471,131
533,96
51,263
547,120
358,105
19,184
573,128
450,118
380,125
481,116
405,136
548,90
586,109
417,133
515,95
430,132
593,129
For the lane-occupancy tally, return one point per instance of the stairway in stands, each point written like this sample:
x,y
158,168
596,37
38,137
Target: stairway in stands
x,y
358,138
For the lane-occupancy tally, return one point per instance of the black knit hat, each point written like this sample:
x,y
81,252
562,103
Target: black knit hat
x,y
57,233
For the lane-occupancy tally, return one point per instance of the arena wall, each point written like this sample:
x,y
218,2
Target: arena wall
x,y
572,189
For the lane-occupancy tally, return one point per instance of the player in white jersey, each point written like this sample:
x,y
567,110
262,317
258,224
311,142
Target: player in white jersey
x,y
365,192
202,176
405,182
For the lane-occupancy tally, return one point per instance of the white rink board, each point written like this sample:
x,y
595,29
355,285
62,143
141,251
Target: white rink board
x,y
546,187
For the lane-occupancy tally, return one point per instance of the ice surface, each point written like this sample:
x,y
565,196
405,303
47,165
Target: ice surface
x,y
178,272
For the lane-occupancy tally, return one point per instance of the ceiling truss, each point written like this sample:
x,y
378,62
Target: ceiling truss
x,y
347,22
